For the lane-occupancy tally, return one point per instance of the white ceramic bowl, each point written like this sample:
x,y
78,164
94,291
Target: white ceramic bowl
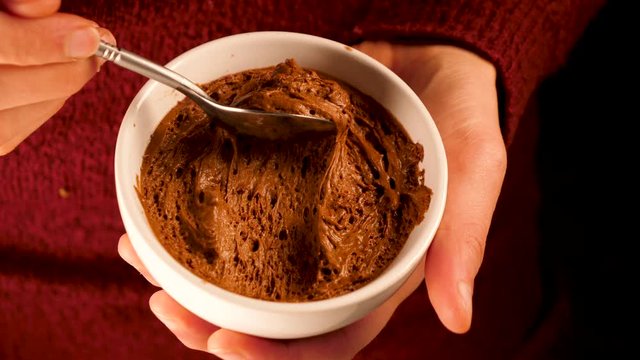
x,y
256,50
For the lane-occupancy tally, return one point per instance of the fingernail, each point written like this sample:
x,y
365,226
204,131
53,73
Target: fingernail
x,y
226,354
466,293
82,43
106,36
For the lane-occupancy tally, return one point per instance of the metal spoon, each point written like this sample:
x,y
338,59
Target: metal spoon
x,y
273,126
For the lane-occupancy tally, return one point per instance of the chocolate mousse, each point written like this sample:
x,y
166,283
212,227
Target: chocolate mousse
x,y
297,220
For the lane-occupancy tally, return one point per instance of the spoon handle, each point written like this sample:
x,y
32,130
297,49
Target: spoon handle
x,y
148,68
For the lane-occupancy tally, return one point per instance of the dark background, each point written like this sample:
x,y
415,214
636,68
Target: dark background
x,y
589,224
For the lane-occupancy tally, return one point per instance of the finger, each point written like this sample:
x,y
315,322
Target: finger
x,y
17,123
56,38
468,121
105,35
340,344
33,84
192,331
382,51
457,251
128,254
32,8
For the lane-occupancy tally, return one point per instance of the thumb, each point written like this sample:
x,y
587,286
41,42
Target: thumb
x,y
463,101
457,251
53,39
32,8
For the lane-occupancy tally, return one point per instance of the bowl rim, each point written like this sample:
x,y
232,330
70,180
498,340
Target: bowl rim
x,y
394,272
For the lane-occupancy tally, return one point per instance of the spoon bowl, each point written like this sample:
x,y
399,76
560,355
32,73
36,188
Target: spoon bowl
x,y
260,124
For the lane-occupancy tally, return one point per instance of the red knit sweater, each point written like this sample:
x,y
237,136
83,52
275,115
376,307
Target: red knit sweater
x,y
65,293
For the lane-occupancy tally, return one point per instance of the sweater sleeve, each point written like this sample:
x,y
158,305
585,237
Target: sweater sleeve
x,y
525,39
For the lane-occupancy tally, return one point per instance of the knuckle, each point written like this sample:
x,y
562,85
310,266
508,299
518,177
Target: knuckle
x,y
470,239
12,48
495,156
491,154
475,245
471,236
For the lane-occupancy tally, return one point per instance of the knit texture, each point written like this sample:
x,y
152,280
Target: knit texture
x,y
64,292
525,40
